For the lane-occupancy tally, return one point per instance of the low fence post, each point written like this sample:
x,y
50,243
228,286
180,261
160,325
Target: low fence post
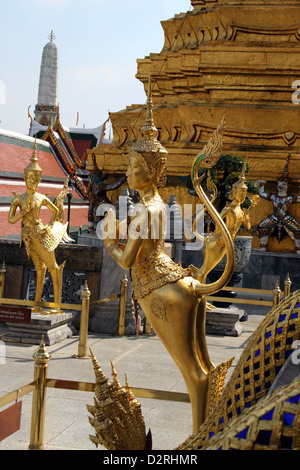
x,y
276,295
122,305
287,286
41,358
84,322
2,279
147,327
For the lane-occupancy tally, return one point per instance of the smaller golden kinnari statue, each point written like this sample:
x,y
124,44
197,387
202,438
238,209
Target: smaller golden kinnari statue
x,y
41,240
234,216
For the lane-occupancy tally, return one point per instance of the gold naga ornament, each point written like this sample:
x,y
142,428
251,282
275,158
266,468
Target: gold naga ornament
x,y
41,240
116,414
168,294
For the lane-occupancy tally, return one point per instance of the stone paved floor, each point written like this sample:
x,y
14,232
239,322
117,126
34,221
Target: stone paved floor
x,y
147,365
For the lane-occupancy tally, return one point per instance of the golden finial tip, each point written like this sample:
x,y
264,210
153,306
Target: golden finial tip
x,y
33,165
148,143
149,85
51,36
241,181
41,355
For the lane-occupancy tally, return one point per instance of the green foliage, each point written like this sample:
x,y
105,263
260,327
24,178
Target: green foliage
x,y
224,174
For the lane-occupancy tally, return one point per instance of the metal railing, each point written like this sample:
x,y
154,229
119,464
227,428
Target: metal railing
x,y
41,382
276,294
84,307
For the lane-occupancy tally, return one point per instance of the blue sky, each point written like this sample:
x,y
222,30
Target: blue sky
x,y
98,43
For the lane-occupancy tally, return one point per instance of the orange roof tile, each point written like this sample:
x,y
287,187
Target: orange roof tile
x,y
15,158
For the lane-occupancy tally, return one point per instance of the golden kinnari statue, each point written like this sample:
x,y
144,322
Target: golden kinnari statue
x,y
41,240
235,216
169,295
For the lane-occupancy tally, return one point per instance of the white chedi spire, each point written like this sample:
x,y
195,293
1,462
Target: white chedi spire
x,y
48,84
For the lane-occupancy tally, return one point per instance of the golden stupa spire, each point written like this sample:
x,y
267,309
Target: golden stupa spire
x,y
33,165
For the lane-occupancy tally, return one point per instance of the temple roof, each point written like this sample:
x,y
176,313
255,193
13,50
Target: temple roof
x,y
69,145
92,135
16,150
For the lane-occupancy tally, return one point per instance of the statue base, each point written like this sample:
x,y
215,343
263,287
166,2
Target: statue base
x,y
224,321
55,328
89,239
106,319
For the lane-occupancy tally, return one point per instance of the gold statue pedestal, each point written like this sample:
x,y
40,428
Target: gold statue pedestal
x,y
53,311
224,321
47,311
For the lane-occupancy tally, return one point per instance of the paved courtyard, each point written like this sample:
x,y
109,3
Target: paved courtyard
x,y
146,364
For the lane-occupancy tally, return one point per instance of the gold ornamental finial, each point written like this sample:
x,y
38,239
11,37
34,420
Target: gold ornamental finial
x,y
211,152
41,355
51,36
149,128
152,151
33,165
29,115
148,143
116,381
116,418
241,181
285,175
